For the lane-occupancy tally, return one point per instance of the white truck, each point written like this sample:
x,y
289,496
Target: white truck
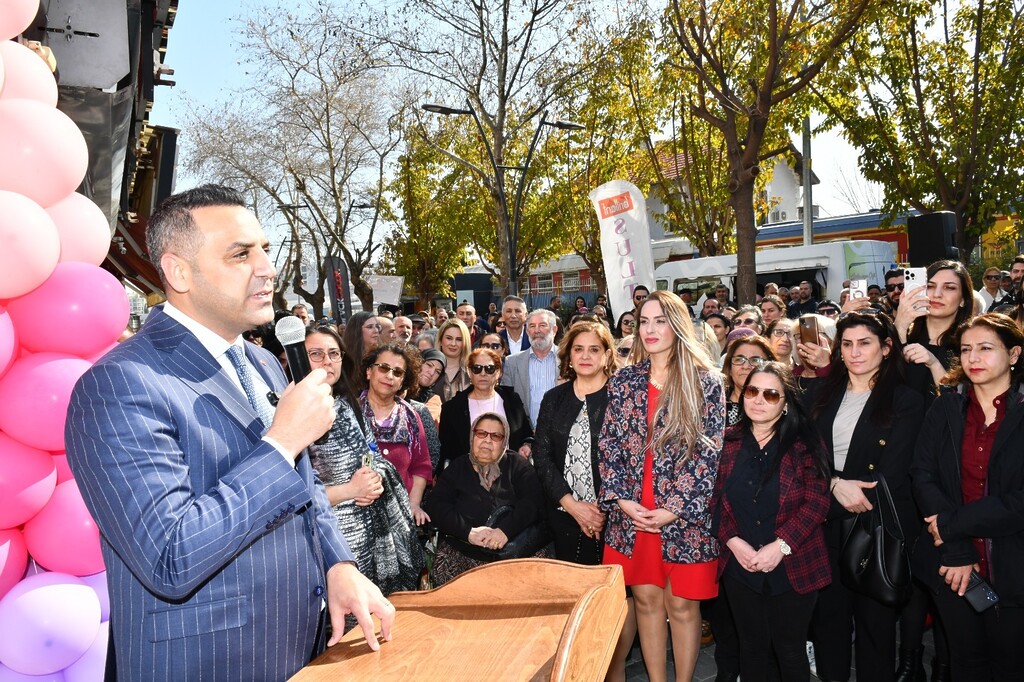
x,y
827,265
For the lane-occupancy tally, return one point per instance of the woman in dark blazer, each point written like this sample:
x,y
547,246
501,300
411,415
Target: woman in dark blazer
x,y
486,396
771,498
972,499
869,420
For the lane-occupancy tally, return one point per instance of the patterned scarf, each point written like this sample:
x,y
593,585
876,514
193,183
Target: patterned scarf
x,y
395,428
489,472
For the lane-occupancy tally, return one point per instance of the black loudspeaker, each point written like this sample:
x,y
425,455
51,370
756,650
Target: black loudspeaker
x,y
931,237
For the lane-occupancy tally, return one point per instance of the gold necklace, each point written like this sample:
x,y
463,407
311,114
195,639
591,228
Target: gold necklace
x,y
656,384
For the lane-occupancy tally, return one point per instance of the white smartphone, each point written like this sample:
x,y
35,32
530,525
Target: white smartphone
x,y
858,288
914,279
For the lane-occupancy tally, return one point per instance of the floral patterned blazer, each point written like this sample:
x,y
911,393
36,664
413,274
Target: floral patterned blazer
x,y
682,486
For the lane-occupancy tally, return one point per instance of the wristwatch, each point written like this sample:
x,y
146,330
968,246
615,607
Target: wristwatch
x,y
784,547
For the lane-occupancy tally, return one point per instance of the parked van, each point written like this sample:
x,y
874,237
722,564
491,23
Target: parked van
x,y
825,265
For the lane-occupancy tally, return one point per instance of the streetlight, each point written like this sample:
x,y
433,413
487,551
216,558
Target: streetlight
x,y
511,226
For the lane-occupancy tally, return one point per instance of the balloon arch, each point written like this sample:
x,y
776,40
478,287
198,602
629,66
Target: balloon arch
x,y
59,312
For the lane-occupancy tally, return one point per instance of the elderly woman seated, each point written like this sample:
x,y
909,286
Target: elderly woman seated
x,y
487,506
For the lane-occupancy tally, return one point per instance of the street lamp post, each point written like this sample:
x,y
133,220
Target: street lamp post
x,y
511,225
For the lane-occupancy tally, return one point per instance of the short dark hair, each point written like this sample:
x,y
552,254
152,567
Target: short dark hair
x,y
898,272
640,286
172,227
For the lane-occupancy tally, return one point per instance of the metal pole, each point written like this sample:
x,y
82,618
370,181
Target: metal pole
x,y
808,217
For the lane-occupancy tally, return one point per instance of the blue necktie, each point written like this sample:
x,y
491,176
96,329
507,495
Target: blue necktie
x,y
258,403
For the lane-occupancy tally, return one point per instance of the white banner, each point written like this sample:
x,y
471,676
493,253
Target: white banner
x,y
625,241
386,288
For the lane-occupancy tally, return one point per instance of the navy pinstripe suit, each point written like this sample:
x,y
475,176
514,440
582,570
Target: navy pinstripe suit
x,y
215,545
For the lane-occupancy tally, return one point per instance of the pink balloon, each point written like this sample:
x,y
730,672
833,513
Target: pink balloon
x,y
90,304
46,623
95,357
27,479
93,663
8,342
26,75
13,559
8,675
60,461
29,243
83,229
98,582
43,151
34,397
16,16
63,537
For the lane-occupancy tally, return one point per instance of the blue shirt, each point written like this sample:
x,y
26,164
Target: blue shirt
x,y
543,375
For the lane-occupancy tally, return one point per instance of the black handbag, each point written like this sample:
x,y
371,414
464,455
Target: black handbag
x,y
528,542
874,560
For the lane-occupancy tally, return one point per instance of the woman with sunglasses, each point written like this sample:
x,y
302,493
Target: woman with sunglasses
x,y
927,322
391,370
493,341
743,357
969,481
658,460
771,499
623,351
453,340
624,325
364,489
485,499
749,316
483,395
869,419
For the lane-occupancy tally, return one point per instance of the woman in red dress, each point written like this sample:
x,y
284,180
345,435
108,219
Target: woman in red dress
x,y
658,461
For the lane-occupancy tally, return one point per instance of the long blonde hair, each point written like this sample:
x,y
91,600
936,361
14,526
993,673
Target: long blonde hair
x,y
682,399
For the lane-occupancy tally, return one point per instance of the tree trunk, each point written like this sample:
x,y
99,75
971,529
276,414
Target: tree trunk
x,y
965,241
502,219
742,201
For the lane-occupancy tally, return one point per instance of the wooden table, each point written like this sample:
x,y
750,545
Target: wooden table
x,y
524,619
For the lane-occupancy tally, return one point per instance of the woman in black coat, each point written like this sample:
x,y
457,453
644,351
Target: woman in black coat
x,y
865,388
485,395
968,476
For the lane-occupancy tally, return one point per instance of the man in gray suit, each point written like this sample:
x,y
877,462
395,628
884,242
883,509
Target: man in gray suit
x,y
532,372
219,543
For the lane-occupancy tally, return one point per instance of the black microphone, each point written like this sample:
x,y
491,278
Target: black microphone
x,y
292,334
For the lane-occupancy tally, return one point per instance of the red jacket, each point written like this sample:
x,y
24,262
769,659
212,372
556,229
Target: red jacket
x,y
803,504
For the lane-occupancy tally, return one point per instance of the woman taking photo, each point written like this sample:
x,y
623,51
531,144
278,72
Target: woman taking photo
x,y
658,460
869,419
396,426
484,395
740,360
467,495
625,324
366,492
969,482
453,341
771,499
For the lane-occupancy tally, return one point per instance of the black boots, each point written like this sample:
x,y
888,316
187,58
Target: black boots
x,y
911,667
940,671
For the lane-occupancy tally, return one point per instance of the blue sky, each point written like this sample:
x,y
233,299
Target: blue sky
x,y
202,52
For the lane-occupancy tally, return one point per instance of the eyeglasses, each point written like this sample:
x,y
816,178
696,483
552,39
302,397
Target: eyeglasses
x,y
499,325
893,287
771,396
493,436
994,278
492,346
385,369
318,355
740,360
828,312
624,352
862,311
628,323
478,369
747,320
781,332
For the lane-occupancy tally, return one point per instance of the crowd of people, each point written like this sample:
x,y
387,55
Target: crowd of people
x,y
720,458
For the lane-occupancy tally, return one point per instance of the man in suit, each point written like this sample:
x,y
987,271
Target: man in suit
x,y
534,371
513,312
219,543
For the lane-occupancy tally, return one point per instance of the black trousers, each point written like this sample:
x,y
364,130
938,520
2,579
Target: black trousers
x,y
570,542
771,623
985,646
840,610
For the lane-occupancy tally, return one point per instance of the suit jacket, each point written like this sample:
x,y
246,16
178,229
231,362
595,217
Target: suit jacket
x,y
215,546
883,449
998,516
803,504
455,423
515,372
682,486
526,338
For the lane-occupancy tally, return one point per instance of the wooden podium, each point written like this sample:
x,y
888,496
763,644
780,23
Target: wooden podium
x,y
523,619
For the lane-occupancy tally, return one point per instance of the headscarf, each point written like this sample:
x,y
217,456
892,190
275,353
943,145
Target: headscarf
x,y
488,472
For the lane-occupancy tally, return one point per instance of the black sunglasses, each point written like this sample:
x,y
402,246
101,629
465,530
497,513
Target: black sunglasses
x,y
893,287
624,352
477,369
771,396
993,277
492,346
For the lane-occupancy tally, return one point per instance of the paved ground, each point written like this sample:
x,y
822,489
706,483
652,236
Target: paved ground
x,y
706,669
